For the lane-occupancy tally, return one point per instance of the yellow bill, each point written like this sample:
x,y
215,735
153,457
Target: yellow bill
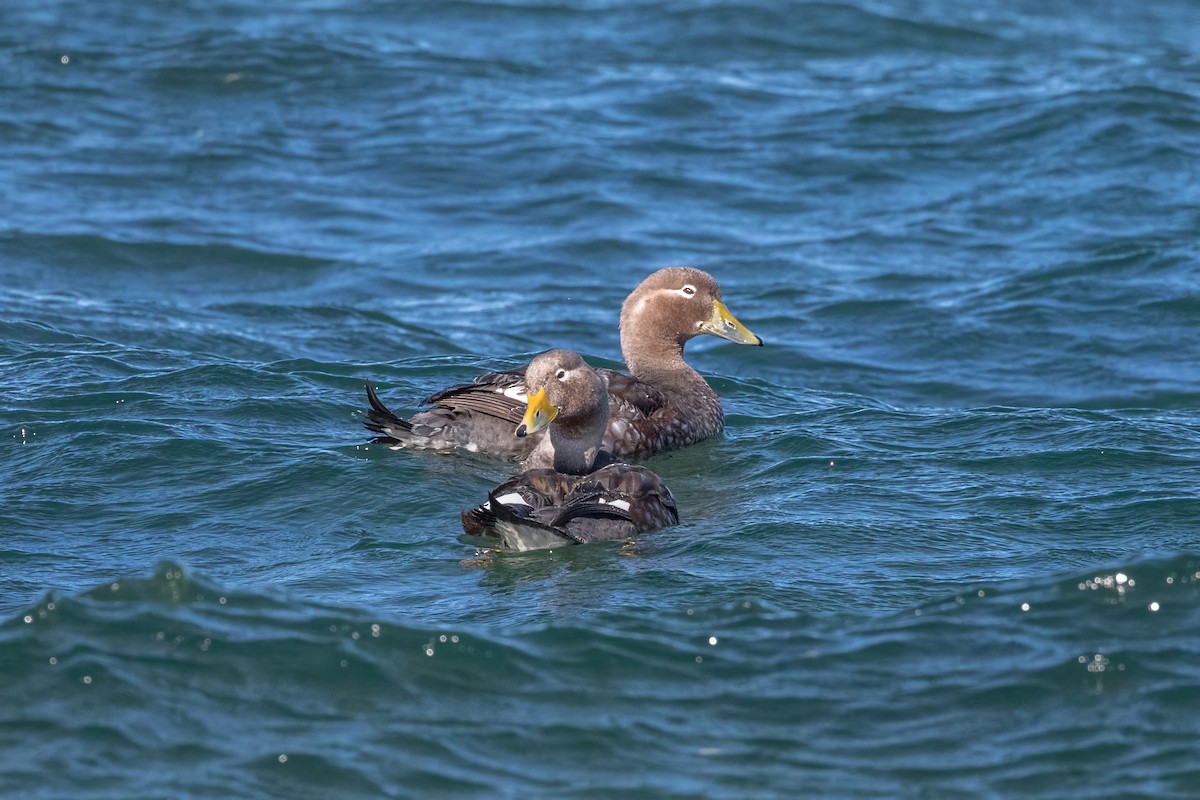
x,y
539,412
724,325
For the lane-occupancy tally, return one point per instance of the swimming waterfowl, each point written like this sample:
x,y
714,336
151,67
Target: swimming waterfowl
x,y
572,490
662,404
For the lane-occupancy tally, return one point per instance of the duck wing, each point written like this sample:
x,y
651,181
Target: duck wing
x,y
620,491
520,512
500,395
630,397
480,416
648,418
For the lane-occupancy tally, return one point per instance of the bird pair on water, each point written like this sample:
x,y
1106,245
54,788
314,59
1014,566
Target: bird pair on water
x,y
571,425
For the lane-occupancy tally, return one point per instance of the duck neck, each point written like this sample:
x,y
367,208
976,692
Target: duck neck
x,y
659,360
653,350
572,455
571,446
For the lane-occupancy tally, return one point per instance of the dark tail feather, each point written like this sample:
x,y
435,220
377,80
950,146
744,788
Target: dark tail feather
x,y
479,521
381,420
379,411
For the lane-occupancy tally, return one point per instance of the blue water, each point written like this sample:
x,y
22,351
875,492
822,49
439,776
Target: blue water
x,y
949,545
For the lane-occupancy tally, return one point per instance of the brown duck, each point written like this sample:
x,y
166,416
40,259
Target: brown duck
x,y
662,404
572,491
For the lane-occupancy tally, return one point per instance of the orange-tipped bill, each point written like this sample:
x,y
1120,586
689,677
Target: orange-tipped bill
x,y
539,412
724,325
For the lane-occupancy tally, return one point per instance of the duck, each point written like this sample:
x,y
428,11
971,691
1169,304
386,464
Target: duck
x,y
662,402
572,490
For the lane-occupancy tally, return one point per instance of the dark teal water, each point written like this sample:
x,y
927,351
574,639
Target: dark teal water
x,y
948,547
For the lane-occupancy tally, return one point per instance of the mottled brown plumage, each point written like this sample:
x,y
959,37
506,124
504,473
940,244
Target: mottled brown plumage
x,y
662,404
573,492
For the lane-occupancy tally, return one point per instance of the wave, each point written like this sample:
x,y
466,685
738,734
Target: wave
x,y
255,684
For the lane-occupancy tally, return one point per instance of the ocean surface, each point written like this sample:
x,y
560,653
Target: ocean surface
x,y
949,545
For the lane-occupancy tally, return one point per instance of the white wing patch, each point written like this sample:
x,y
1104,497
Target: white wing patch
x,y
516,392
512,499
621,504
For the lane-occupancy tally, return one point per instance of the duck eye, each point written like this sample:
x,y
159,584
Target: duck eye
x,y
561,374
688,290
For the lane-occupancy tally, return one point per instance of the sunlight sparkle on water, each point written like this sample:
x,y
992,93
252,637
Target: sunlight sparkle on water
x,y
1121,582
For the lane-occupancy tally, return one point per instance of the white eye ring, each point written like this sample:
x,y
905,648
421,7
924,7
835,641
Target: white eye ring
x,y
688,290
561,374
